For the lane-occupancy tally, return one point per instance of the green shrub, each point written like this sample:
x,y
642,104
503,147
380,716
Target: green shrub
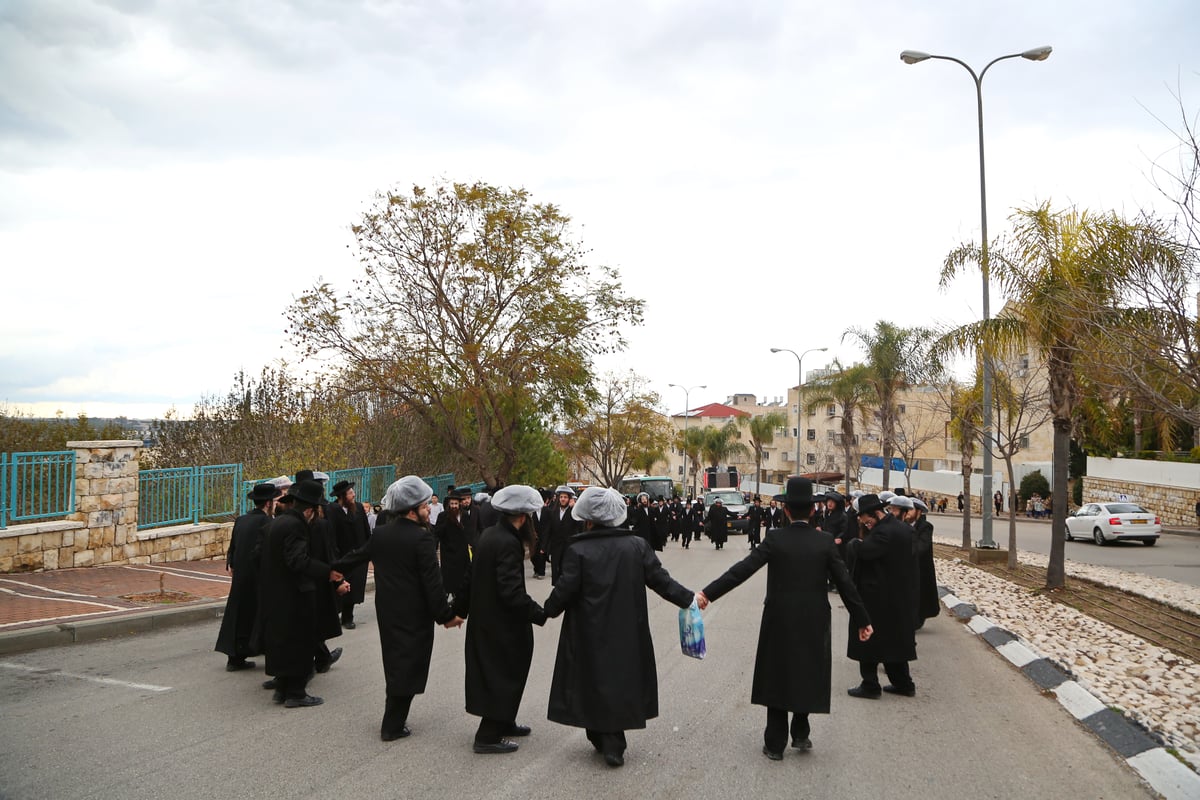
x,y
1034,483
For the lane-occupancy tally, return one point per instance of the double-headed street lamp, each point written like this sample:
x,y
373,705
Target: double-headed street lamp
x,y
687,390
799,391
1036,54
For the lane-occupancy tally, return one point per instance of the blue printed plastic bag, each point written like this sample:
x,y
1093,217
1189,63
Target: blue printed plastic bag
x,y
691,631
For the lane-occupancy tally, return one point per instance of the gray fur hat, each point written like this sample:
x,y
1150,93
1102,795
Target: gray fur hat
x,y
603,507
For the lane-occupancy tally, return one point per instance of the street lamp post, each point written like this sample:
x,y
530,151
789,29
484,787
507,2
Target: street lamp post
x,y
687,390
799,391
1036,54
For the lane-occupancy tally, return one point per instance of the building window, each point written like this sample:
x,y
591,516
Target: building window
x,y
766,455
831,410
810,458
795,432
681,469
1024,442
829,462
831,436
811,435
900,409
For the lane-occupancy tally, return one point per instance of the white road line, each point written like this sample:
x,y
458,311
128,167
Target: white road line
x,y
149,687
191,575
61,618
45,588
63,600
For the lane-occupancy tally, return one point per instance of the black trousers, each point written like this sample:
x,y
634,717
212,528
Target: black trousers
x,y
776,733
347,609
897,672
538,560
292,686
491,731
321,655
395,713
607,742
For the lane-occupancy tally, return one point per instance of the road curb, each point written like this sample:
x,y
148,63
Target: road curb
x,y
1143,750
91,630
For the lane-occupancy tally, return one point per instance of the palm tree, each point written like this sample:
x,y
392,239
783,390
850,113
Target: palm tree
x,y
852,391
1063,272
762,435
966,419
691,443
896,359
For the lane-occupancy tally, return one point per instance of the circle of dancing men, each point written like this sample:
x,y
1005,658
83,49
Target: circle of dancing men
x,y
299,566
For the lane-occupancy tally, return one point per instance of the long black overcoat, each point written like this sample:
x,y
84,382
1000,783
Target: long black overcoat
x,y
241,607
322,546
793,665
716,524
351,531
642,521
555,530
291,580
927,593
409,599
605,677
499,646
883,570
453,553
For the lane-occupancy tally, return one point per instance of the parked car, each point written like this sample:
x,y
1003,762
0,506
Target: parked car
x,y
1113,522
735,504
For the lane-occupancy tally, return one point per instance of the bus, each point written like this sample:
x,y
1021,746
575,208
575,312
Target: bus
x,y
659,487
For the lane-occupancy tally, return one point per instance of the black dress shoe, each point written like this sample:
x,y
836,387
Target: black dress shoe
x,y
349,624
910,691
771,754
391,736
238,665
277,697
302,702
334,655
518,730
269,684
803,745
502,746
866,694
614,759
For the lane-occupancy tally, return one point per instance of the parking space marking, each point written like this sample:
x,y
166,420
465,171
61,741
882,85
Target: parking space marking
x,y
45,588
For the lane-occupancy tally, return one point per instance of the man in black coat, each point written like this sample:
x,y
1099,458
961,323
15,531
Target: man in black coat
x,y
793,667
469,515
453,553
500,624
242,561
928,604
409,598
605,679
882,567
292,578
556,527
351,531
643,520
754,520
717,524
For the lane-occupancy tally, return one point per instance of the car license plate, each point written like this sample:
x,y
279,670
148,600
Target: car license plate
x,y
1137,522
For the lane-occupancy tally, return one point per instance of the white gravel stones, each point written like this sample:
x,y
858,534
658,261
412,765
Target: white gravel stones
x,y
1153,686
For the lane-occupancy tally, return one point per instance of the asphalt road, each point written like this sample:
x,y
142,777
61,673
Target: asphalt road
x,y
156,715
1175,556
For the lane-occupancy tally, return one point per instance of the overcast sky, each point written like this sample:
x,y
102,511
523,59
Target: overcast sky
x,y
764,174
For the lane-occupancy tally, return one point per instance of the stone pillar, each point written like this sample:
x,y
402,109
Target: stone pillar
x,y
106,500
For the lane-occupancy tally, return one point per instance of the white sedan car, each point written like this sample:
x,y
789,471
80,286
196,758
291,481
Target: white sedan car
x,y
1111,522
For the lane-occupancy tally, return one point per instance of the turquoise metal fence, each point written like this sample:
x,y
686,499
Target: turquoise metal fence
x,y
36,486
179,495
440,483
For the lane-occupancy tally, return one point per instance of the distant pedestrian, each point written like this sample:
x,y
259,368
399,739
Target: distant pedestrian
x,y
961,501
351,531
716,522
556,527
998,500
1198,513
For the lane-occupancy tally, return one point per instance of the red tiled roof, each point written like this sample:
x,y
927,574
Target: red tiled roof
x,y
717,410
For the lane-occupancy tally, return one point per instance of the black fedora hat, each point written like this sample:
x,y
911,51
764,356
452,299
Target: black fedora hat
x,y
304,475
340,488
799,490
307,492
869,504
263,491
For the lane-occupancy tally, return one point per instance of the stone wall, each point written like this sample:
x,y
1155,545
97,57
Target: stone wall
x,y
103,529
1175,505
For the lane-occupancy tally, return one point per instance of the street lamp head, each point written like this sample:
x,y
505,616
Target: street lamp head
x,y
1038,53
822,349
776,350
916,56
